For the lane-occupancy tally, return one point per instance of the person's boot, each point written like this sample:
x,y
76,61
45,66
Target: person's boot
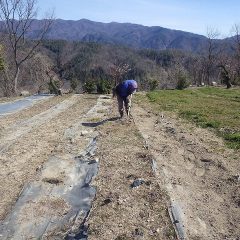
x,y
121,113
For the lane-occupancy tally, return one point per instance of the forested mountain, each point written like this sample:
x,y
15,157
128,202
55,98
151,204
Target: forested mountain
x,y
80,63
131,35
77,64
80,55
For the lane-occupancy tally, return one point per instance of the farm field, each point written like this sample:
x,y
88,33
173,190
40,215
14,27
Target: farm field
x,y
71,167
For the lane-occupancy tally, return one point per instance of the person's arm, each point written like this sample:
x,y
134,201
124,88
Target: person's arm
x,y
114,92
130,91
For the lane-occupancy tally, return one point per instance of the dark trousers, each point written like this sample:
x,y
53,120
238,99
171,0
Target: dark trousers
x,y
123,102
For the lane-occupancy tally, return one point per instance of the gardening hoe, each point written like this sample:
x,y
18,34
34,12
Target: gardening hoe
x,y
129,106
128,111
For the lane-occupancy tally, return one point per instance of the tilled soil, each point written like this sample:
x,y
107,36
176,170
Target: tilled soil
x,y
199,174
23,155
122,210
142,161
43,105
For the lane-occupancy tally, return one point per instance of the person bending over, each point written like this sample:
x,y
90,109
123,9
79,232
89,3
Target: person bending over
x,y
124,91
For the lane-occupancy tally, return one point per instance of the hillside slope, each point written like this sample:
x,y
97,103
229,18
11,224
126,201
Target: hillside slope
x,y
131,35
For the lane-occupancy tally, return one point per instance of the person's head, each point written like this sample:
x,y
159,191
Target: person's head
x,y
133,86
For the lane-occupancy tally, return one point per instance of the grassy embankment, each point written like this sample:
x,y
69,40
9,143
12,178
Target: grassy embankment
x,y
208,107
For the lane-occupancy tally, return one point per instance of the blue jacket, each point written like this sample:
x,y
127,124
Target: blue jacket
x,y
126,88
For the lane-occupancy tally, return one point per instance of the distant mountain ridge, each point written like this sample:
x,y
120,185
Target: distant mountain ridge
x,y
131,35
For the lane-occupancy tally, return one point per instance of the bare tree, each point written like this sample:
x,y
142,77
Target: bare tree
x,y
225,76
1,60
211,53
226,65
33,73
4,83
118,70
18,17
236,47
236,32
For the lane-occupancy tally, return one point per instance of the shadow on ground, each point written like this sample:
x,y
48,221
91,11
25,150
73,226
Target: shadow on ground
x,y
96,124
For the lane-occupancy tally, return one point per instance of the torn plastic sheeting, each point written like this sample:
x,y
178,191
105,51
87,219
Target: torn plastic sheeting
x,y
81,211
89,151
154,166
175,215
79,198
80,233
137,183
10,226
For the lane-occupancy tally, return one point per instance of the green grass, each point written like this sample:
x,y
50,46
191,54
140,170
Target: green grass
x,y
208,107
232,140
94,120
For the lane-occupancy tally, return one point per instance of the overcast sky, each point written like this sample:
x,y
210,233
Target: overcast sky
x,y
187,15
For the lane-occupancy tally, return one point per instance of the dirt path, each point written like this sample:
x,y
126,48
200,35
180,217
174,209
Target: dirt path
x,y
200,175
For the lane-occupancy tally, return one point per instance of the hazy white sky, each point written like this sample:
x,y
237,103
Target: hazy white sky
x,y
187,15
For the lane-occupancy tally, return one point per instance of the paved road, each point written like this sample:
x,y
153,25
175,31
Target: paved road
x,y
11,107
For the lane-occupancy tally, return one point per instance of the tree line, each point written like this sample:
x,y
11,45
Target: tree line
x,y
42,65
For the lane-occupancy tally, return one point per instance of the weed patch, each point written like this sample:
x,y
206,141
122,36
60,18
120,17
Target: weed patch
x,y
235,137
207,107
232,140
192,115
